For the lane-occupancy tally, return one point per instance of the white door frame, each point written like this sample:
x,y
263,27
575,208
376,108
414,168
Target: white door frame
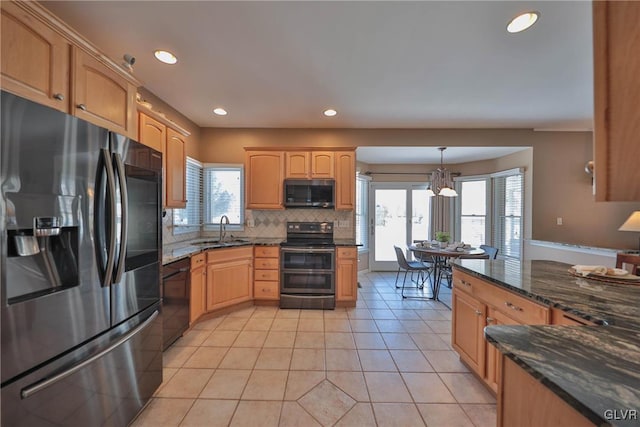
x,y
408,187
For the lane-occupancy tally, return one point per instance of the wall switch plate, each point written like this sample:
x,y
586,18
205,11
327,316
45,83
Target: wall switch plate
x,y
251,223
343,223
559,220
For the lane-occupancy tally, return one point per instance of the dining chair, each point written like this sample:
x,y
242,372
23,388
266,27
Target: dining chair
x,y
411,266
490,250
626,260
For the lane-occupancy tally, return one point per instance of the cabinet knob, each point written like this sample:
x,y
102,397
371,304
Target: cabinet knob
x,y
58,97
478,312
490,319
82,107
513,307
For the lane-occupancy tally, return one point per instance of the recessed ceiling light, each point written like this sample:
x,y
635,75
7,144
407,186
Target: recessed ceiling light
x,y
220,111
330,112
165,56
522,22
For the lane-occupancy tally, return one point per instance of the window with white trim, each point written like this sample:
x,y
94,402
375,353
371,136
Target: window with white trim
x,y
493,203
224,195
473,212
508,194
362,201
189,219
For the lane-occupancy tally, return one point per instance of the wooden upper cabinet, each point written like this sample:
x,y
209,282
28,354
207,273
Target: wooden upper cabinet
x,y
322,165
102,96
264,179
35,59
345,171
175,172
297,164
309,165
616,36
151,132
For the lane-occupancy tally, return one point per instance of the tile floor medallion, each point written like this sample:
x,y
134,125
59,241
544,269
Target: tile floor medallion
x,y
386,362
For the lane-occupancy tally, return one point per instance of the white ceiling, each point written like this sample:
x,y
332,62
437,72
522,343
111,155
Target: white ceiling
x,y
431,155
391,64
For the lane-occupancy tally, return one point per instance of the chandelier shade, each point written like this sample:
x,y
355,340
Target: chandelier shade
x,y
441,181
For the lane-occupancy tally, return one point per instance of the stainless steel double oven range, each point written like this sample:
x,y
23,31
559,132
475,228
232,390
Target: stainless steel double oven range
x,y
80,251
307,270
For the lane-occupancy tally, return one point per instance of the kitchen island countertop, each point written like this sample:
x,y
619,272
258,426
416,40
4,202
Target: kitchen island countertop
x,y
595,369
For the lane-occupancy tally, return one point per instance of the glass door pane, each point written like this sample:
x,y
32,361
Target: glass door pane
x,y
390,222
420,219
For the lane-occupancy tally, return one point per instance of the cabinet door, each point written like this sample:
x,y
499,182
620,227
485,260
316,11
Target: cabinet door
x,y
103,97
494,357
345,180
264,179
175,171
467,332
35,59
229,283
297,164
322,165
346,274
151,132
198,294
616,35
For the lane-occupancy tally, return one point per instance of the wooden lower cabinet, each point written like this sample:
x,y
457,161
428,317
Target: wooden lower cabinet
x,y
468,323
229,277
346,275
198,300
493,356
266,273
476,304
525,402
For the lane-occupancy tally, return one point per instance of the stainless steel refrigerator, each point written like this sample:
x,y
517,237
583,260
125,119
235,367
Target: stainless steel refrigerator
x,y
80,229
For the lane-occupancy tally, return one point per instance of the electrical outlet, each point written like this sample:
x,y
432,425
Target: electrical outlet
x,y
251,223
559,220
343,223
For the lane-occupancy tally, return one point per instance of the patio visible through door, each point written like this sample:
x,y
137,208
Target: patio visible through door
x,y
400,214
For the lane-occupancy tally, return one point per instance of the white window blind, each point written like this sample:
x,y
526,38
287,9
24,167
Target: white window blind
x,y
362,201
224,195
508,197
189,219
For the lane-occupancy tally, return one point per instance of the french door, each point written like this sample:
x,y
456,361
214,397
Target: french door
x,y
399,214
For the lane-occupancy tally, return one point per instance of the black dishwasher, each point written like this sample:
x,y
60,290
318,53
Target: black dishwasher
x,y
176,290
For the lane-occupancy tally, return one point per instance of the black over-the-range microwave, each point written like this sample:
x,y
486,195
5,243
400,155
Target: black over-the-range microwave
x,y
309,193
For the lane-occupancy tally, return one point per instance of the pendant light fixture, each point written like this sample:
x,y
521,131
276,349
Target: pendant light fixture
x,y
441,182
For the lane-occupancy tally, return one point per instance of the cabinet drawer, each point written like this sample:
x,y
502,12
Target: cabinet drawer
x,y
266,290
197,260
514,306
267,263
559,317
271,275
267,251
350,253
233,254
518,308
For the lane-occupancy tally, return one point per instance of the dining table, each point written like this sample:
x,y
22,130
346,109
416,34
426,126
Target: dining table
x,y
440,257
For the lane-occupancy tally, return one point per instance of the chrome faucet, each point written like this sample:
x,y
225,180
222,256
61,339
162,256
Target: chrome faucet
x,y
224,220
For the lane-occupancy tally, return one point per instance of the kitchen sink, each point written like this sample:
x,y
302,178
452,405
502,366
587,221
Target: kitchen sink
x,y
223,243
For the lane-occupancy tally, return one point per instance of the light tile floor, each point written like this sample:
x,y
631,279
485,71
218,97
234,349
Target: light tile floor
x,y
386,362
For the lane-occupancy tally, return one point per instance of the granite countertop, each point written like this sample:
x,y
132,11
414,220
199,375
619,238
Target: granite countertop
x,y
593,368
188,248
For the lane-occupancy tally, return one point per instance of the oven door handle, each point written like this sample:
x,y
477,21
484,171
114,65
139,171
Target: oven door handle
x,y
309,250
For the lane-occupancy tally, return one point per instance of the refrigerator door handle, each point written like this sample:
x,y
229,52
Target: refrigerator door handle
x,y
42,384
124,202
111,189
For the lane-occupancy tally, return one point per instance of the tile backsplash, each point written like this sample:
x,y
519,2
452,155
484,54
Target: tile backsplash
x,y
269,224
